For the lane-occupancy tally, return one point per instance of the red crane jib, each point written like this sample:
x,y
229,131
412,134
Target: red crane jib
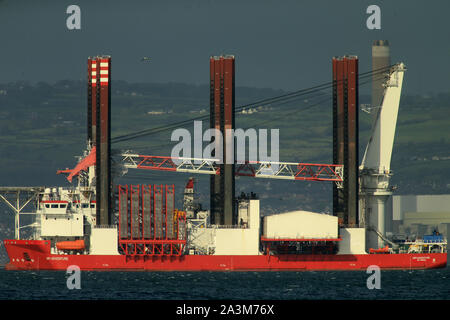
x,y
87,162
295,171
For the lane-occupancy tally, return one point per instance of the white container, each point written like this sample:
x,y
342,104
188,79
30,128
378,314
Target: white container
x,y
300,225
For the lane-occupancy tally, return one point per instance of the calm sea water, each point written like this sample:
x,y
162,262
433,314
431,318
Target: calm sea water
x,y
404,284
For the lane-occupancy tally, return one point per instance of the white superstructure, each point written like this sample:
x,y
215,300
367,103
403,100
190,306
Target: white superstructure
x,y
66,216
242,239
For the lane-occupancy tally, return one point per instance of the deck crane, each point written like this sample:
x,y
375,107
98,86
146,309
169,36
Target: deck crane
x,y
375,169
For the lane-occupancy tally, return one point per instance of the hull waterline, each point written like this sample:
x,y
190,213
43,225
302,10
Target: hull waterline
x,y
35,255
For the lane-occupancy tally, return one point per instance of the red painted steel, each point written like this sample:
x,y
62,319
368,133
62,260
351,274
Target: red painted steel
x,y
157,163
168,189
146,190
122,190
104,97
158,189
218,63
94,68
40,258
71,245
345,137
84,164
340,112
303,171
298,239
311,171
78,201
228,112
160,245
93,84
352,156
103,163
134,214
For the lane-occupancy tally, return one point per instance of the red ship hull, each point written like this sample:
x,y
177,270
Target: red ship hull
x,y
35,255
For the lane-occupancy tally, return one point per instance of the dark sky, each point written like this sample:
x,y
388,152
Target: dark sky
x,y
277,44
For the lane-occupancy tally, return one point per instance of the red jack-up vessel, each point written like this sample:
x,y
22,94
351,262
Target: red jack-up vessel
x,y
142,230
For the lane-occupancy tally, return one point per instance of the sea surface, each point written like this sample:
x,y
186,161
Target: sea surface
x,y
322,285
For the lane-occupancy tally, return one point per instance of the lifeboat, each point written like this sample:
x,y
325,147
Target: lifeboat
x,y
70,245
381,250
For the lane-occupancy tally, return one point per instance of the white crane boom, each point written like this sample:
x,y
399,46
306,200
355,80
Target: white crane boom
x,y
375,169
379,149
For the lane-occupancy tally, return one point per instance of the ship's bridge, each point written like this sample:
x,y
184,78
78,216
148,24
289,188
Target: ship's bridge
x,y
54,206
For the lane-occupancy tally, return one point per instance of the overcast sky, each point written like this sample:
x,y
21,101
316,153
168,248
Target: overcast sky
x,y
278,44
